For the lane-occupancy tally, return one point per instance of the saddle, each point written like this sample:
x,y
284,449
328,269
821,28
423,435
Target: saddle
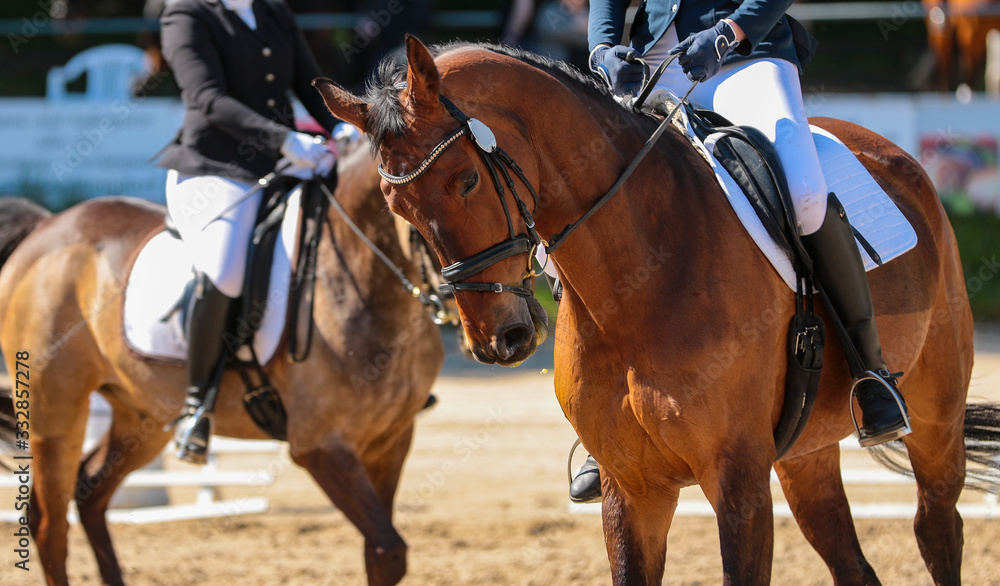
x,y
746,161
261,399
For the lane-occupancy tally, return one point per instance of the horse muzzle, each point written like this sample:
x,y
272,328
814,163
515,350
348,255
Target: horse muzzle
x,y
513,341
513,345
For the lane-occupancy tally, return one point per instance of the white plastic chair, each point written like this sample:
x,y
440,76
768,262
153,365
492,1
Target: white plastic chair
x,y
110,69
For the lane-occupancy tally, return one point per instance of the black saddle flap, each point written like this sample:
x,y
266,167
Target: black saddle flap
x,y
260,257
751,160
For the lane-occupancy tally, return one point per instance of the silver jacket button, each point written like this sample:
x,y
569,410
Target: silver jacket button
x,y
266,52
271,103
269,77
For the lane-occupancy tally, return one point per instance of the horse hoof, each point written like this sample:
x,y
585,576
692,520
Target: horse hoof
x,y
389,565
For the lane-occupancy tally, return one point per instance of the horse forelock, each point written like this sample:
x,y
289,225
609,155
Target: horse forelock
x,y
385,112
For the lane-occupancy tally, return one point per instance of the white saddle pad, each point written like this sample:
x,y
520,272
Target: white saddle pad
x,y
162,270
868,207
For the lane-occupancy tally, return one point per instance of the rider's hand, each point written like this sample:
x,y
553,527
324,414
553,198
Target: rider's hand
x,y
618,68
702,54
346,132
306,150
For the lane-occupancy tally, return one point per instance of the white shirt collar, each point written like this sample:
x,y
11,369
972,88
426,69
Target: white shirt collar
x,y
243,9
237,4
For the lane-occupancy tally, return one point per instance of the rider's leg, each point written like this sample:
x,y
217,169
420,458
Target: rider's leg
x,y
208,320
840,270
765,94
778,111
218,247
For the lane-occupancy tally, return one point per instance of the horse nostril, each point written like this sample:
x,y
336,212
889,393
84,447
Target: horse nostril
x,y
512,340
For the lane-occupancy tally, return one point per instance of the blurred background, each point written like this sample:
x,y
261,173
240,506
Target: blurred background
x,y
85,99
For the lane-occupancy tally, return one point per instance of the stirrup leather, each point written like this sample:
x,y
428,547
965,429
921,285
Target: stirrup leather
x,y
880,377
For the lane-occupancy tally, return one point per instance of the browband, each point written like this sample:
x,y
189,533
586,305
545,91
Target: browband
x,y
435,153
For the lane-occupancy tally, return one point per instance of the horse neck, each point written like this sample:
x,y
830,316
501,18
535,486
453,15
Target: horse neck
x,y
662,207
358,192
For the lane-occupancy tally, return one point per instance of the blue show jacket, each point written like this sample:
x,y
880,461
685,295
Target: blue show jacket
x,y
768,31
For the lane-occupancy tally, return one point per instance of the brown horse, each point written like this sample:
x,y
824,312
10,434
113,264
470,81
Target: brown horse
x,y
351,404
672,329
956,34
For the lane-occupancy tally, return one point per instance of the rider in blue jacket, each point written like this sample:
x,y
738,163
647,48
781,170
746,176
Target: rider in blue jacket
x,y
746,57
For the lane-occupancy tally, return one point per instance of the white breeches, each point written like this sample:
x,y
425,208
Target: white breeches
x,y
765,94
218,246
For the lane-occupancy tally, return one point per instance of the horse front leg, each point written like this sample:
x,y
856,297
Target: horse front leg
x,y
385,466
339,471
635,532
739,488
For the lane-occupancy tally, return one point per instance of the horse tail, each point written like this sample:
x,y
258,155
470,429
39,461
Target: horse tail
x,y
18,218
982,449
8,424
982,444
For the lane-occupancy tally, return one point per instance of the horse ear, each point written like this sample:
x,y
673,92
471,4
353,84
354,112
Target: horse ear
x,y
423,82
342,103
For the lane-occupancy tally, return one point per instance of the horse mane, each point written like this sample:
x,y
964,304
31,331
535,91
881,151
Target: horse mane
x,y
562,70
385,115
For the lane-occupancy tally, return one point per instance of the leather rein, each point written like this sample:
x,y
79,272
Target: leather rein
x,y
498,162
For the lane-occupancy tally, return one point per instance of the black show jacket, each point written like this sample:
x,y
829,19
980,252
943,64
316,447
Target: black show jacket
x,y
235,85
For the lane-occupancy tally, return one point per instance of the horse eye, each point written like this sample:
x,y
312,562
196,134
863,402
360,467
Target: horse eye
x,y
468,182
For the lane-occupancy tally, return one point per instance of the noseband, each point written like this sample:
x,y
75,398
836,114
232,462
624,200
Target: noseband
x,y
497,162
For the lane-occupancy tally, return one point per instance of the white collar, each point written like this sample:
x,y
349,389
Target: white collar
x,y
242,9
237,5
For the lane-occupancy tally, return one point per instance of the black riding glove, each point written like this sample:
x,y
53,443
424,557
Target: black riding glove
x,y
618,68
702,54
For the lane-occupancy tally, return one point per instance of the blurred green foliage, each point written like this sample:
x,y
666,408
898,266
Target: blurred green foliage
x,y
978,235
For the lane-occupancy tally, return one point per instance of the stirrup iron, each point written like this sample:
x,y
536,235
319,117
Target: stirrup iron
x,y
880,377
183,435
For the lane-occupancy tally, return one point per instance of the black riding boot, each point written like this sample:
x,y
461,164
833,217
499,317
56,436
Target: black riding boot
x,y
839,269
586,485
207,322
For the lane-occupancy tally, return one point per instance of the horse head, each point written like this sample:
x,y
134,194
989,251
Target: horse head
x,y
440,173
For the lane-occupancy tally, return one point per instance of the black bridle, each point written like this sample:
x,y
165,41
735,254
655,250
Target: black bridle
x,y
498,162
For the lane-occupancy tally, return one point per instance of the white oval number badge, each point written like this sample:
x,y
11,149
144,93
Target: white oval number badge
x,y
482,135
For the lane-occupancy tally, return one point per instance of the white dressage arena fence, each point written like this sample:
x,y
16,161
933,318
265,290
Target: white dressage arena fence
x,y
207,479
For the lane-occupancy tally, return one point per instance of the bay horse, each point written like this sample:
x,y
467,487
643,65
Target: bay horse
x,y
671,334
351,403
956,34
